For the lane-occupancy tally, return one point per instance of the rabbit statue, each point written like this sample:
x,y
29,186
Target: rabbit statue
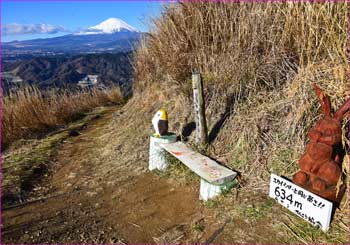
x,y
320,165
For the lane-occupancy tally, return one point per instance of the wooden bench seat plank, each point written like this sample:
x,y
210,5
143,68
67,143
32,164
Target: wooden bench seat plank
x,y
203,166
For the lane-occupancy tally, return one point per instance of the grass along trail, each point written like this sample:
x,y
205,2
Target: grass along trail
x,y
93,196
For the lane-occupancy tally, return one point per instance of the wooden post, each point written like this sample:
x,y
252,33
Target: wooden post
x,y
199,109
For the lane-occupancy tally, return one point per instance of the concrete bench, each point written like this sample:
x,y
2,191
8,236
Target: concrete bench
x,y
215,178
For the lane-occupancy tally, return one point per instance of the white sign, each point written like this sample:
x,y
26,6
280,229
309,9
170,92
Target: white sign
x,y
303,203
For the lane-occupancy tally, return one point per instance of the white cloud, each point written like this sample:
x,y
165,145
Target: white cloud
x,y
18,29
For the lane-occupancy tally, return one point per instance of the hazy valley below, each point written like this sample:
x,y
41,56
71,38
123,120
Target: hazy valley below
x,y
70,72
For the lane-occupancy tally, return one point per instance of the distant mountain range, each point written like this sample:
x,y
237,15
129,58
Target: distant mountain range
x,y
112,35
98,56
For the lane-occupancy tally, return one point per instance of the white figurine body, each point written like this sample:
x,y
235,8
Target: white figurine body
x,y
160,123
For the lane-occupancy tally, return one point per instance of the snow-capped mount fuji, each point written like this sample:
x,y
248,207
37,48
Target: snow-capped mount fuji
x,y
109,26
112,35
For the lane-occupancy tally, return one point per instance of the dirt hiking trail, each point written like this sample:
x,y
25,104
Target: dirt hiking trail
x,y
89,199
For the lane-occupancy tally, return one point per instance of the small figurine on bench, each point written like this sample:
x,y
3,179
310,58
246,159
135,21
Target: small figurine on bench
x,y
160,123
320,166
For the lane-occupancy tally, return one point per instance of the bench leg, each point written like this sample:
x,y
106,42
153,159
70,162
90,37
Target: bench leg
x,y
157,155
208,191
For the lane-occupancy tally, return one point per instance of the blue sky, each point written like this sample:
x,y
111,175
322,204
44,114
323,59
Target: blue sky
x,y
62,17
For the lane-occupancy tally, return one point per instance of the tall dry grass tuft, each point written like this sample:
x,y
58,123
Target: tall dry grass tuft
x,y
258,62
243,45
31,111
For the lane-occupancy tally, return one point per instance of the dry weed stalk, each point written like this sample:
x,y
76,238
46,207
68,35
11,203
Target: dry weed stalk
x,y
30,111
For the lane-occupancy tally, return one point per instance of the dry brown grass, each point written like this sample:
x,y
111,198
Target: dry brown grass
x,y
245,46
29,111
258,62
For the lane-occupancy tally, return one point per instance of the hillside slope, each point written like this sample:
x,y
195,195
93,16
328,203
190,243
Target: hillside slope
x,y
97,189
258,62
